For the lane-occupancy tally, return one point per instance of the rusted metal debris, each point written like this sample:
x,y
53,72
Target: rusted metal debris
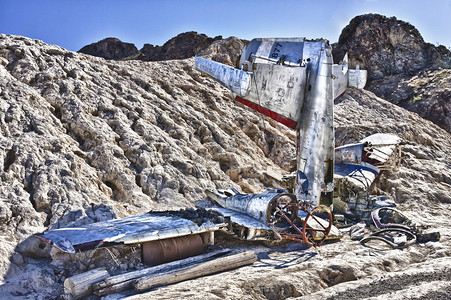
x,y
272,215
396,229
143,228
167,250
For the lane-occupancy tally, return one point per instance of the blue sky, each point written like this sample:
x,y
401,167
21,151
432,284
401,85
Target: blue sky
x,y
74,24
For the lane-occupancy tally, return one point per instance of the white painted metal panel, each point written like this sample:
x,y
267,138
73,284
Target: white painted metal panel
x,y
235,79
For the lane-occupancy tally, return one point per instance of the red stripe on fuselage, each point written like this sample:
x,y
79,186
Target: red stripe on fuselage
x,y
339,96
273,115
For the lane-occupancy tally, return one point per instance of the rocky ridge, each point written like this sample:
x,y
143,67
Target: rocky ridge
x,y
111,48
401,67
388,46
84,139
182,46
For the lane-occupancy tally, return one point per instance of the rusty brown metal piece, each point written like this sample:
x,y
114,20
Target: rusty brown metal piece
x,y
312,229
167,250
316,231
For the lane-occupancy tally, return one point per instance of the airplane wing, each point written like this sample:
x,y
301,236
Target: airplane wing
x,y
136,229
236,80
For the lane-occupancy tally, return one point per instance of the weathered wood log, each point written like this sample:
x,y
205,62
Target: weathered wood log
x,y
198,270
122,282
116,288
80,285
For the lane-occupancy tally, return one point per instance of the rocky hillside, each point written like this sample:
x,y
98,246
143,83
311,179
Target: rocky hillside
x,y
85,139
428,93
402,68
388,46
184,45
111,48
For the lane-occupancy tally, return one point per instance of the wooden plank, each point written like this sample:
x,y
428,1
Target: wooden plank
x,y
116,288
125,281
80,285
198,270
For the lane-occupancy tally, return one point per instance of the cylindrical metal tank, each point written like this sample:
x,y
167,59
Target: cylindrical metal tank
x,y
163,251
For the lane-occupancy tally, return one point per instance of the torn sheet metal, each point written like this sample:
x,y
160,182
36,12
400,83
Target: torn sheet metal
x,y
136,229
383,150
239,218
356,167
361,175
349,154
380,150
249,215
245,227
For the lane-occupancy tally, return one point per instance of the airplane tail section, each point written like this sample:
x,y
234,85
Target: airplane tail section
x,y
293,81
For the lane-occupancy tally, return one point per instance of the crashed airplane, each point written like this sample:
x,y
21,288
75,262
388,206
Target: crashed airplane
x,y
293,81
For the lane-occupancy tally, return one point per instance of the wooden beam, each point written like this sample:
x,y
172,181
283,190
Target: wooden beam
x,y
122,282
80,285
198,270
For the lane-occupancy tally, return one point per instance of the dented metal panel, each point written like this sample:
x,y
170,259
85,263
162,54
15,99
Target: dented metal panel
x,y
382,139
279,89
288,50
257,206
137,229
361,175
315,132
350,154
240,218
339,80
340,77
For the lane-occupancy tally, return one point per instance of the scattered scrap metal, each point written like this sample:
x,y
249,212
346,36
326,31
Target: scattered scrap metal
x,y
396,230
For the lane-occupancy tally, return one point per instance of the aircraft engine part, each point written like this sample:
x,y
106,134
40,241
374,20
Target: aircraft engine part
x,y
275,211
167,250
258,206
